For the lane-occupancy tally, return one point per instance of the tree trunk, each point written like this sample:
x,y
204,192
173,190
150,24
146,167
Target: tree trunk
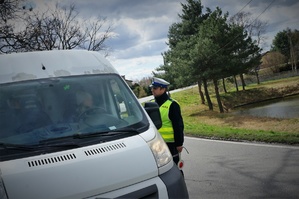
x,y
218,96
223,84
207,94
257,76
296,61
236,83
243,82
202,97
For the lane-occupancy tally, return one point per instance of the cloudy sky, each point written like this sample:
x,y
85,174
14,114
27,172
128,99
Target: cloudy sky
x,y
141,26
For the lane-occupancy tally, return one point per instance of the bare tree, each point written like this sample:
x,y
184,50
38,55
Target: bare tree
x,y
59,28
254,27
12,9
95,38
10,12
293,37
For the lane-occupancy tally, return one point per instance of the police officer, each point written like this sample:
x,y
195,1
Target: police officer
x,y
172,129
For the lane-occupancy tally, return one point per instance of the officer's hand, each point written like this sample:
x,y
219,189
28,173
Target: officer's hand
x,y
179,148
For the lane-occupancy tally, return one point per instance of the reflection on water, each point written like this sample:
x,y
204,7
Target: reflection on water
x,y
285,108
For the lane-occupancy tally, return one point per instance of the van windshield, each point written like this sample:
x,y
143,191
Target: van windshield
x,y
33,112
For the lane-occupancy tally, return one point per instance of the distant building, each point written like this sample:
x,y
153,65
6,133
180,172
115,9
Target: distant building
x,y
129,82
271,61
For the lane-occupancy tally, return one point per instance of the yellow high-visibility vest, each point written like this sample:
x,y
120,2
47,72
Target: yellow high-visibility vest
x,y
166,130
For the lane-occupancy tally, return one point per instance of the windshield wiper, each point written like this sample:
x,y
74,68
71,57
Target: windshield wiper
x,y
66,145
22,147
116,132
64,142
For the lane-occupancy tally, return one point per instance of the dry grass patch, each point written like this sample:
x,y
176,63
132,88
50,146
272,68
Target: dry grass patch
x,y
254,123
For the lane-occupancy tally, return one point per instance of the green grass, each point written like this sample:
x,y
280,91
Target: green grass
x,y
201,122
229,133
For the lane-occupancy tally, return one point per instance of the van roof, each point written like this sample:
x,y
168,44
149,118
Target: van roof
x,y
56,63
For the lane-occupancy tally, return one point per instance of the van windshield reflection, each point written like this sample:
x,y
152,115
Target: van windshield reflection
x,y
33,111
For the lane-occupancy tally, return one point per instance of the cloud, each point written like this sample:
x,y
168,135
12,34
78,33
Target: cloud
x,y
148,48
139,37
141,26
136,68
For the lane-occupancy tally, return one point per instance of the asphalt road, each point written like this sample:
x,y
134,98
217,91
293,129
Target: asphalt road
x,y
222,169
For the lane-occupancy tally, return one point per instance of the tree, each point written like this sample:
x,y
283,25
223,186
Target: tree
x,y
11,12
293,37
287,43
281,43
205,47
253,28
246,54
176,67
59,28
211,50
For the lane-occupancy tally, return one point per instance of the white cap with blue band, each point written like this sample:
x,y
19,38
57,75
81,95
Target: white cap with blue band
x,y
158,82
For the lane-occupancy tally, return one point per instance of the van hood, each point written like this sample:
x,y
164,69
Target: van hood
x,y
81,172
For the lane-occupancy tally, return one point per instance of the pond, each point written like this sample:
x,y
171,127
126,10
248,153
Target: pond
x,y
283,108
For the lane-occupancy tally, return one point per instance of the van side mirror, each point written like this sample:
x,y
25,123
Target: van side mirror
x,y
152,109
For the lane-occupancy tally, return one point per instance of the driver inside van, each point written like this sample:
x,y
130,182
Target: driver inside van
x,y
84,101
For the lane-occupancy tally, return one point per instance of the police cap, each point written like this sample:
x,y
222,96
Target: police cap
x,y
159,82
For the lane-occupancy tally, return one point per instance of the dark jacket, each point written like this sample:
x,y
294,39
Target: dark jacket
x,y
175,117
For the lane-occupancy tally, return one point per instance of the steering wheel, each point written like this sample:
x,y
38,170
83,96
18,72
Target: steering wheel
x,y
91,111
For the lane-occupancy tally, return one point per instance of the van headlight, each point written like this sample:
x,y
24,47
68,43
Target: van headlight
x,y
160,150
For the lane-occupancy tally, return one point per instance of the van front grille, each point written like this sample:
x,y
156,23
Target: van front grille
x,y
51,160
104,149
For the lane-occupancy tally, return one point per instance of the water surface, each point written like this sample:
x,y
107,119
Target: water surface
x,y
283,108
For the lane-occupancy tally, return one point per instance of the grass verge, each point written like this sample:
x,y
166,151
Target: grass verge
x,y
201,122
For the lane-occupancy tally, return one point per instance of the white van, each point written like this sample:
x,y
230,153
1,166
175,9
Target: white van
x,y
72,128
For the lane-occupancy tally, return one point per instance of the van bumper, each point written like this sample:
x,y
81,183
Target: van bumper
x,y
170,184
175,183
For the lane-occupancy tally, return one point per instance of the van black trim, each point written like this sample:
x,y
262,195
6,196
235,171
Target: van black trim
x,y
144,193
175,183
